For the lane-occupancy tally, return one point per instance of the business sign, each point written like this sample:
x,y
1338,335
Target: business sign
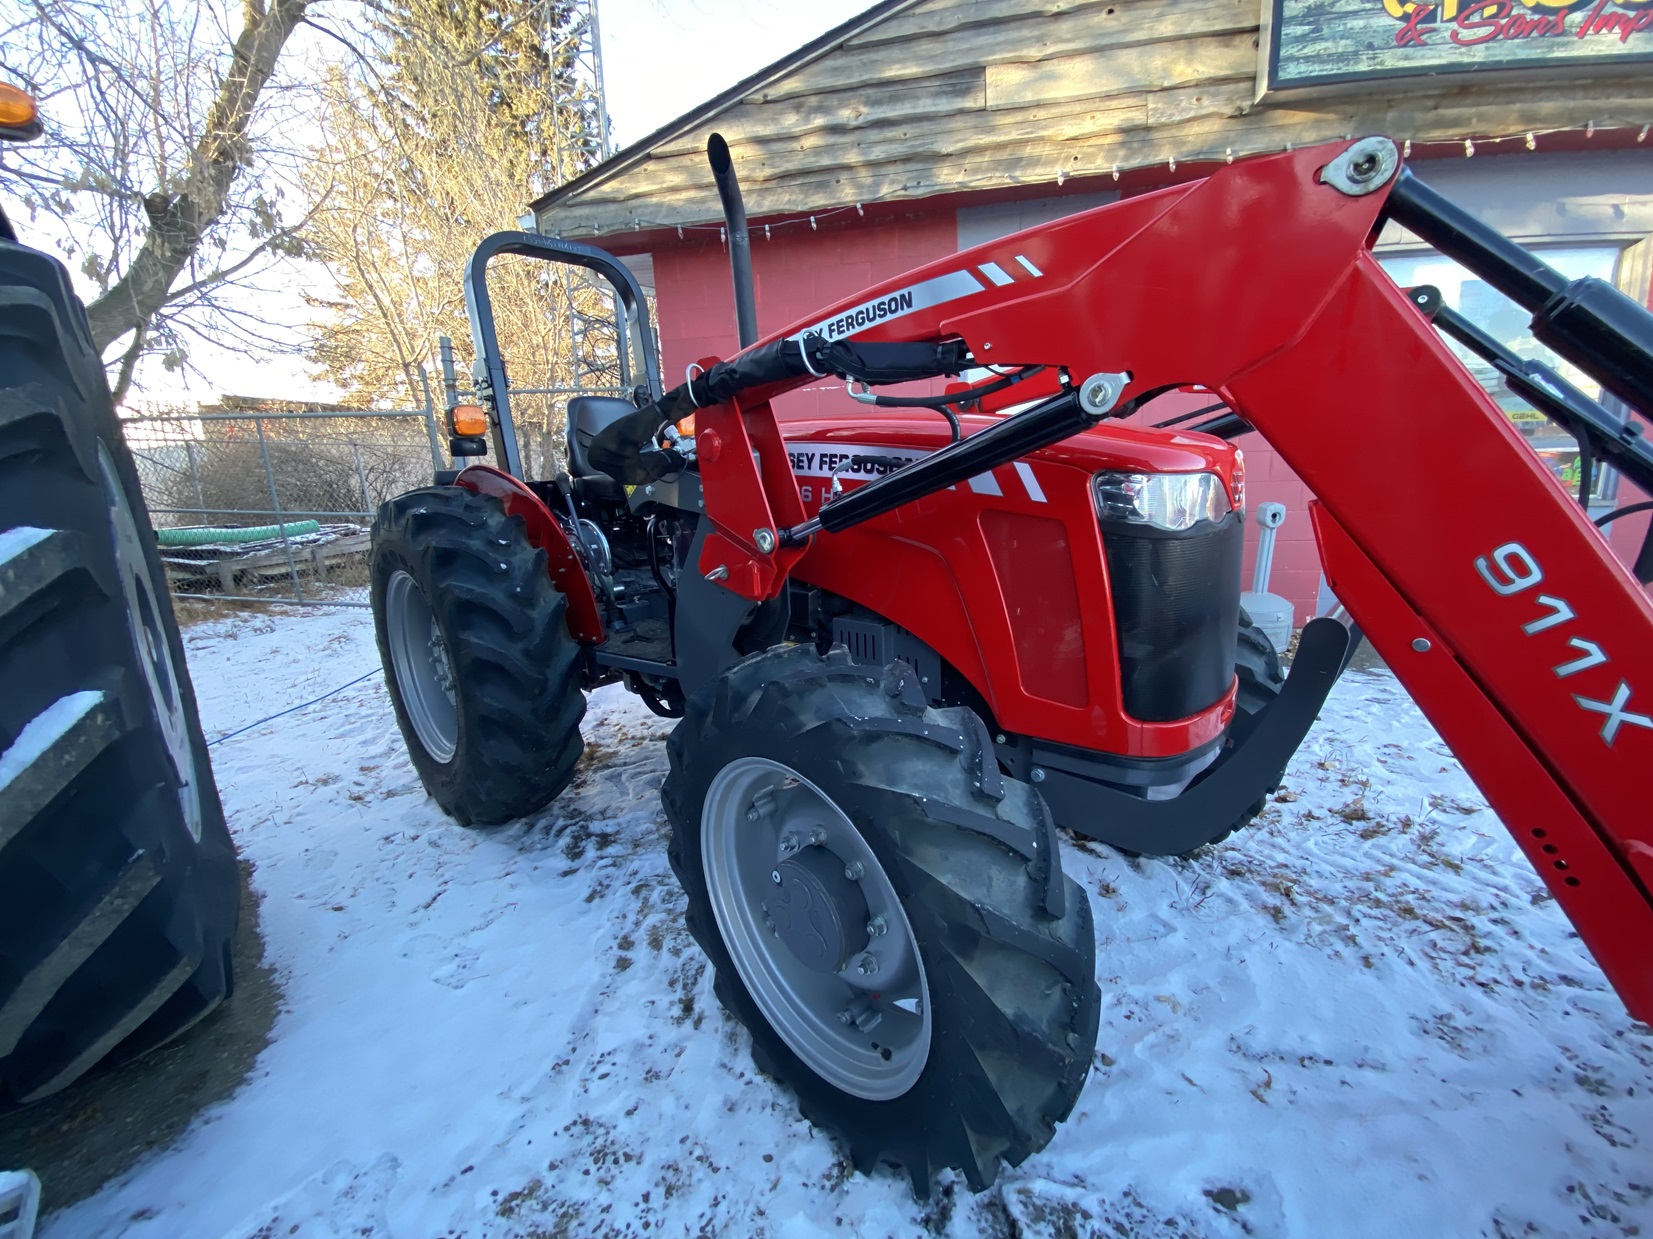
x,y
1320,42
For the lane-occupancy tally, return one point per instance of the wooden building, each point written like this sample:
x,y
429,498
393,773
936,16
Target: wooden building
x,y
925,126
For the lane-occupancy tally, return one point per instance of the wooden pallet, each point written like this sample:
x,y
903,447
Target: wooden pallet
x,y
254,563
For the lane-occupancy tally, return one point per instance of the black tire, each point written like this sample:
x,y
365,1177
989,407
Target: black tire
x,y
118,885
1257,666
1260,679
1005,939
514,666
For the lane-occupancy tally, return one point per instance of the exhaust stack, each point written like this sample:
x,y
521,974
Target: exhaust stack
x,y
740,245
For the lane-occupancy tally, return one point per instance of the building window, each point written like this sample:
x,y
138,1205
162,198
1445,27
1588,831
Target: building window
x,y
1508,323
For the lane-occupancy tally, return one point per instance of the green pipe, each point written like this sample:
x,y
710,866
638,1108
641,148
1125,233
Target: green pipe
x,y
219,537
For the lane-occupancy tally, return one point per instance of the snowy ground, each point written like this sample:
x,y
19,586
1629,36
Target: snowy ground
x,y
1364,1017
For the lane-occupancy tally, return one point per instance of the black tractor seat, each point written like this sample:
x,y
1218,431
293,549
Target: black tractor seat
x,y
587,415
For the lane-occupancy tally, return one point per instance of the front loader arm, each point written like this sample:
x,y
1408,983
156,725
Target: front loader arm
x,y
1497,604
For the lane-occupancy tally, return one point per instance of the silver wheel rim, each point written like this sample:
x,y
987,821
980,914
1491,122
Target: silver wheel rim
x,y
757,812
424,673
149,635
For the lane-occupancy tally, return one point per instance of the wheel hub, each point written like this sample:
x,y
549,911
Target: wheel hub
x,y
817,912
424,670
814,926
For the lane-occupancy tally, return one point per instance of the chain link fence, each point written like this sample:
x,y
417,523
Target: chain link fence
x,y
269,506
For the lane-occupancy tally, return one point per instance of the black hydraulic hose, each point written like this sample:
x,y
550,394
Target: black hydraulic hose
x,y
1225,426
1189,416
1628,510
740,243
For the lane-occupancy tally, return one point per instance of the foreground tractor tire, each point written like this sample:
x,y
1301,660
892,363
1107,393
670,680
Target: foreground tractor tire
x,y
118,881
481,668
886,914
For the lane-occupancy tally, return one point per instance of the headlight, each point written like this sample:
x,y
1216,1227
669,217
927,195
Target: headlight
x,y
1173,501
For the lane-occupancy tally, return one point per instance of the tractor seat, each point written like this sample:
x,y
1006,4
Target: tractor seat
x,y
587,416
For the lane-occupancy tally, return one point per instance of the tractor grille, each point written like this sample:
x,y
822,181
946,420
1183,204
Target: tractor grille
x,y
1176,601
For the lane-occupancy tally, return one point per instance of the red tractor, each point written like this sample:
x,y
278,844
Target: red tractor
x,y
907,646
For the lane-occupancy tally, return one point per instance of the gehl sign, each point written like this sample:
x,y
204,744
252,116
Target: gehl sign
x,y
1323,42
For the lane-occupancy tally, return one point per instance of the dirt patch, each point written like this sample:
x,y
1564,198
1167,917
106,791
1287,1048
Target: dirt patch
x,y
94,1131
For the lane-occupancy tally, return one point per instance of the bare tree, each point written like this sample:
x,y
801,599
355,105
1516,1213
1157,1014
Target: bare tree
x,y
159,164
456,114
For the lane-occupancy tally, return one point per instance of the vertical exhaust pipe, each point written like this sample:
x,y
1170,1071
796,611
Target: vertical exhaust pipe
x,y
740,244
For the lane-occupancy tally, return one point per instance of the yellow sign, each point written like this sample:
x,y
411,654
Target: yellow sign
x,y
1316,42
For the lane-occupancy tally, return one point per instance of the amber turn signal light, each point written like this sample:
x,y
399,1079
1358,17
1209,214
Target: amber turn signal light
x,y
17,109
468,420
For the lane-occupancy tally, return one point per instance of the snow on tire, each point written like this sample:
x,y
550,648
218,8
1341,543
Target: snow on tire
x,y
976,1046
482,670
118,885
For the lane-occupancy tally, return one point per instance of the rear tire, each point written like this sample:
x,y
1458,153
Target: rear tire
x,y
118,884
1004,942
482,670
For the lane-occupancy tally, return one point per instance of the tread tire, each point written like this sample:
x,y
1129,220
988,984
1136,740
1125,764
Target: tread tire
x,y
116,920
517,683
1006,939
1257,668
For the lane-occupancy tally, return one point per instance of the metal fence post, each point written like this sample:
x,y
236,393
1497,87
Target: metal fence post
x,y
361,475
430,421
275,506
194,474
450,378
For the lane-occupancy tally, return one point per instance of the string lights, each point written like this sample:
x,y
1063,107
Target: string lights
x,y
1528,139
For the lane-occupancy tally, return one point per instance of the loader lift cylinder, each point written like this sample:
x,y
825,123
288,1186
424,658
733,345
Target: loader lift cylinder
x,y
1056,419
1589,322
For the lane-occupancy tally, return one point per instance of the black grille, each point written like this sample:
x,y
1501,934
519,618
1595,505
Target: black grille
x,y
1176,601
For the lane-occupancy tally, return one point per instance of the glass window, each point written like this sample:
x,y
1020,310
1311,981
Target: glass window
x,y
1507,322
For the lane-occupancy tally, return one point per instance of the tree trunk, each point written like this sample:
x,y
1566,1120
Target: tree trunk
x,y
178,222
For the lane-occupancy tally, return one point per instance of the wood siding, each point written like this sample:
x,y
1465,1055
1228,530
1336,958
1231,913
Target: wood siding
x,y
949,96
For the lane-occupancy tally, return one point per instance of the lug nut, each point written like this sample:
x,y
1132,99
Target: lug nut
x,y
855,870
817,837
789,844
867,965
877,927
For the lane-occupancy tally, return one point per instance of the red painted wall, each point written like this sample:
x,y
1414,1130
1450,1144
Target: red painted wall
x,y
799,271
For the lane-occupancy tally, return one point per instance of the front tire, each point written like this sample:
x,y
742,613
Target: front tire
x,y
481,667
972,1034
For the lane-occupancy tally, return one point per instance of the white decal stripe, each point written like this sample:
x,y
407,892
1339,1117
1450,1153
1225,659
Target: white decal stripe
x,y
1034,491
1027,263
996,273
985,484
926,294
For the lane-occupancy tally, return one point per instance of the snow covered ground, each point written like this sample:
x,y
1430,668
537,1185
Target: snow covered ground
x,y
1364,1017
